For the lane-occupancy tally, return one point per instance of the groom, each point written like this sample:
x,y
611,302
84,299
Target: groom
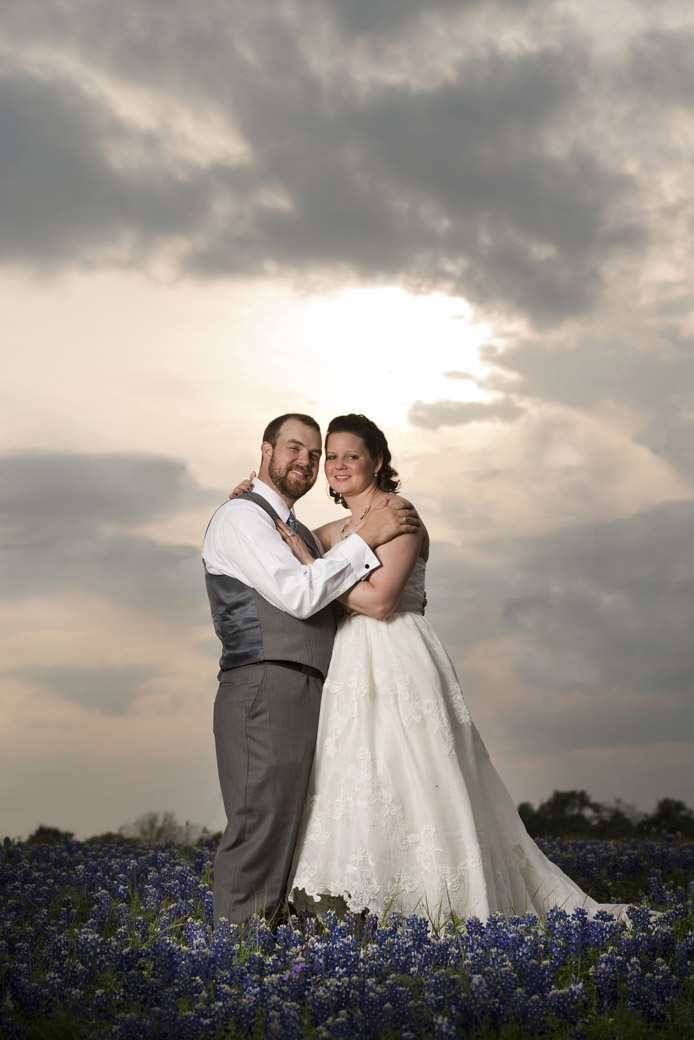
x,y
275,622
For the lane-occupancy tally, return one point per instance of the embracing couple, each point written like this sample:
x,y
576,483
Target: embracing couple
x,y
351,772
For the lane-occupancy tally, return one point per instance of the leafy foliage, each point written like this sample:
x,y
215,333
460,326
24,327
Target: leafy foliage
x,y
574,814
153,828
49,836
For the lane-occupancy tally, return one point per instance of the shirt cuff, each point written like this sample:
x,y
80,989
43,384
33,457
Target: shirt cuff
x,y
360,556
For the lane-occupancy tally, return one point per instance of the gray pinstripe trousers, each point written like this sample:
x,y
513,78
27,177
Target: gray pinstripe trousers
x,y
265,723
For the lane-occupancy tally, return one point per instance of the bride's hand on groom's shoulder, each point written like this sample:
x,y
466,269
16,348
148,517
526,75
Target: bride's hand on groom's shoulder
x,y
245,485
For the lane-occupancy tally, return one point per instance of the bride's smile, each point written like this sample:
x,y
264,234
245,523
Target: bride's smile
x,y
349,468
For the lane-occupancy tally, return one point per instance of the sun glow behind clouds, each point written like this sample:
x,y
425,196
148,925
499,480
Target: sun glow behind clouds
x,y
378,351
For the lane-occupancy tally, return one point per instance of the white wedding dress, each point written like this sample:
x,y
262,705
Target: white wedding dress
x,y
405,810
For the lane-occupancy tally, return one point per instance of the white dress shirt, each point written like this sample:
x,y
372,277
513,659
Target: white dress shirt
x,y
243,542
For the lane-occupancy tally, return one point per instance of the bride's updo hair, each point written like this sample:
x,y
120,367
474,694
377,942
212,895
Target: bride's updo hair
x,y
375,443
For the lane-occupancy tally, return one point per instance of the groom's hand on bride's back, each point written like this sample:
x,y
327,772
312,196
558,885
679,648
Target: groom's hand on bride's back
x,y
388,519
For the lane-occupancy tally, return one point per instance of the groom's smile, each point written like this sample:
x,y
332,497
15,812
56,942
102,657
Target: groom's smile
x,y
294,460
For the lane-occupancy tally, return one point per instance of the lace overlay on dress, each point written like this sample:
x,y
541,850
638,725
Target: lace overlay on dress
x,y
383,668
405,809
374,874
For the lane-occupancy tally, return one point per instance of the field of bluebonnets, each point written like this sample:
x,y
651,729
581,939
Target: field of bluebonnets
x,y
110,939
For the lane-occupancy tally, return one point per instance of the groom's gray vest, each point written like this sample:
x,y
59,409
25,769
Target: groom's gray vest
x,y
252,630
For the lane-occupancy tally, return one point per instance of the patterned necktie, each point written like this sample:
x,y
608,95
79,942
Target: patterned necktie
x,y
294,524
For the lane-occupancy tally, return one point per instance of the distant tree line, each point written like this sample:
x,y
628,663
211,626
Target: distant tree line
x,y
565,814
152,828
574,814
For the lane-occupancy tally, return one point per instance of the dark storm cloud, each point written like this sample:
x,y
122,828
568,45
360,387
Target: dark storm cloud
x,y
450,187
626,591
387,16
612,632
61,195
658,383
64,489
595,620
661,66
457,413
108,691
584,371
70,522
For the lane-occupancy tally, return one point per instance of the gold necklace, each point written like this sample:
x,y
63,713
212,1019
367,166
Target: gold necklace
x,y
344,533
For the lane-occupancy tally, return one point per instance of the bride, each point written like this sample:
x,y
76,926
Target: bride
x,y
404,810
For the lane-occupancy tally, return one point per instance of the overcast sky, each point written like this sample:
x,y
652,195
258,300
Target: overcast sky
x,y
471,221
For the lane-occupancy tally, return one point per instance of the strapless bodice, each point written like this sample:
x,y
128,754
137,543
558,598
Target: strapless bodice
x,y
413,593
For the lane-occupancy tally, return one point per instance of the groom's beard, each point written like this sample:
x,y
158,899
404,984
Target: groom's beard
x,y
289,485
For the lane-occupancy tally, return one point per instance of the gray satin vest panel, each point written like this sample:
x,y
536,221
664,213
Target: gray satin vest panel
x,y
251,629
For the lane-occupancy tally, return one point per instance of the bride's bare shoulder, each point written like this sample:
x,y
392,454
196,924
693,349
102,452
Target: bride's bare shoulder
x,y
400,502
329,534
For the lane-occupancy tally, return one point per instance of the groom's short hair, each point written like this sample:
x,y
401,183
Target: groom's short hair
x,y
273,428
